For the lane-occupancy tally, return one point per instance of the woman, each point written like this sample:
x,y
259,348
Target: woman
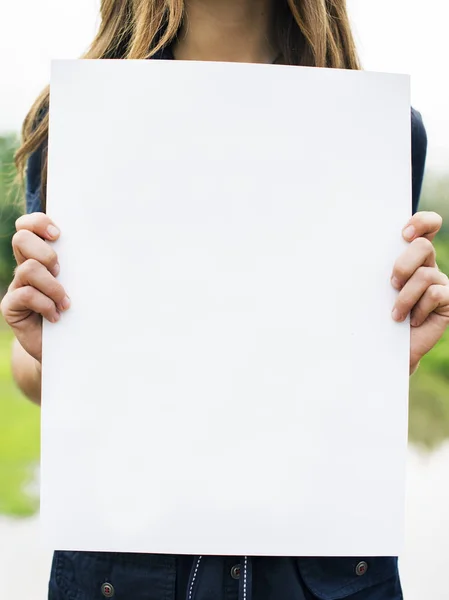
x,y
299,32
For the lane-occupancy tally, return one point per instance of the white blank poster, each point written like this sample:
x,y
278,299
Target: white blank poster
x,y
229,379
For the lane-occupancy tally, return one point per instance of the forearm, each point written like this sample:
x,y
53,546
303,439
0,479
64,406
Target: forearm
x,y
27,373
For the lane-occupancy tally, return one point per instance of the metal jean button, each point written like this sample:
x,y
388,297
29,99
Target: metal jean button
x,y
361,568
235,572
107,589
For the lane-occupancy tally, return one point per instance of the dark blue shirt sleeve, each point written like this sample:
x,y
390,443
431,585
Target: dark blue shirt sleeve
x,y
33,183
419,152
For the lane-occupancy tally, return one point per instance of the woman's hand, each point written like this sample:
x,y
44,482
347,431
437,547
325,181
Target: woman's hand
x,y
34,292
423,288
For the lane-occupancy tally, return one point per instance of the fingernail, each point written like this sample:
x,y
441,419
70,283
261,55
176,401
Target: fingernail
x,y
65,304
56,317
396,315
409,232
56,270
53,232
396,283
413,321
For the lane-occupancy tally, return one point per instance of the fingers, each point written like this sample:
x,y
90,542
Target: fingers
x,y
422,224
28,242
33,273
419,253
34,290
435,297
28,299
39,224
27,245
414,289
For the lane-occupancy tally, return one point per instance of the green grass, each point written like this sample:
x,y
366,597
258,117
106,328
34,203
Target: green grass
x,y
19,440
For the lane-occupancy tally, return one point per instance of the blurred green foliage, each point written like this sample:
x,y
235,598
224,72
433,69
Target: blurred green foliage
x,y
10,207
19,419
435,196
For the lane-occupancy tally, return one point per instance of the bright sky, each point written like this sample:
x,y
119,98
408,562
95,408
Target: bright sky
x,y
405,36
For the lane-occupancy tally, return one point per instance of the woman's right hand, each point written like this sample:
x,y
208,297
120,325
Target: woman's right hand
x,y
34,292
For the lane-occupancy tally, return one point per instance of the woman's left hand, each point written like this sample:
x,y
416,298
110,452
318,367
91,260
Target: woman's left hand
x,y
423,288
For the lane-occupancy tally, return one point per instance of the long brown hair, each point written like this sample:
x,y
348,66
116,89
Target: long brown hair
x,y
312,33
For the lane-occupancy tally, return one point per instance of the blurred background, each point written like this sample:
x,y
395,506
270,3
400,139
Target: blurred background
x,y
404,36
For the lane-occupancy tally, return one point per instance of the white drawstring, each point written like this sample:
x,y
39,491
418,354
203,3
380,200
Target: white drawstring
x,y
195,573
245,576
245,588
